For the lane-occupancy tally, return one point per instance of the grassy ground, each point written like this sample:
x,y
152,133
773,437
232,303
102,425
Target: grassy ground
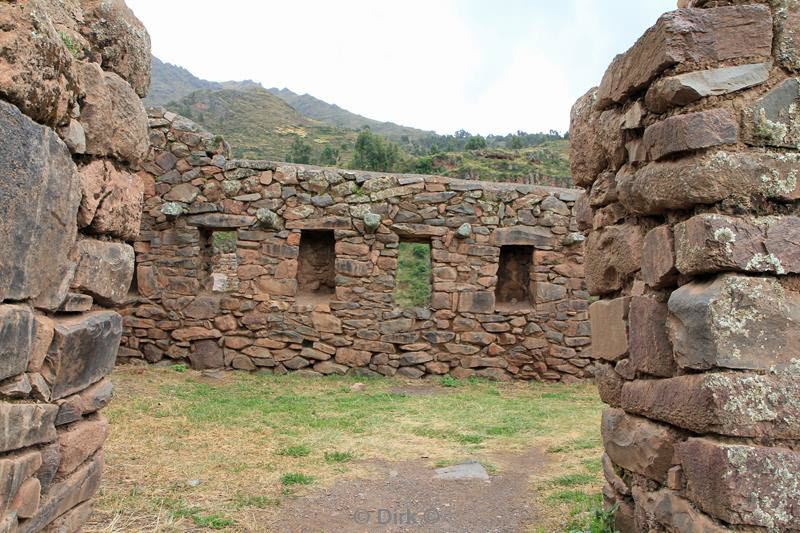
x,y
189,453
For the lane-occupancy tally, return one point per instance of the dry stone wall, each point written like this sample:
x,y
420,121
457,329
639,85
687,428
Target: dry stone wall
x,y
72,127
276,267
690,161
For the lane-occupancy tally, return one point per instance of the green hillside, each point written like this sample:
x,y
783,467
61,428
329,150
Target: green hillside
x,y
257,124
336,116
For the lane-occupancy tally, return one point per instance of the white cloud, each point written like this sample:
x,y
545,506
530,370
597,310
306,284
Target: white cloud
x,y
441,65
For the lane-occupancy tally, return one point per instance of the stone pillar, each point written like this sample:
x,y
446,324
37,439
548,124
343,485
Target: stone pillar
x,y
72,128
688,151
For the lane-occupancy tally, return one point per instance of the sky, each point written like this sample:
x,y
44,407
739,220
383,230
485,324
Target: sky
x,y
489,67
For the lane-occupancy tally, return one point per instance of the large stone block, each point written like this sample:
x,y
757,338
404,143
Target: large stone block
x,y
87,401
675,513
739,405
713,243
650,348
637,444
476,302
688,35
708,179
84,350
119,214
772,119
66,494
787,38
105,270
16,339
523,236
743,485
683,89
736,322
26,424
79,441
40,194
14,470
613,255
37,70
610,328
692,131
588,162
658,258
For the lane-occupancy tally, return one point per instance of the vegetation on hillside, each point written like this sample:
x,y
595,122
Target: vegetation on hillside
x,y
413,280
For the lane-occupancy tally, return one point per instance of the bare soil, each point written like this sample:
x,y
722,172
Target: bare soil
x,y
405,497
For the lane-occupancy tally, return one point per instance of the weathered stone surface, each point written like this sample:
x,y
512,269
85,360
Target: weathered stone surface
x,y
14,470
740,405
735,321
476,302
638,444
72,521
26,424
523,236
84,350
613,255
609,385
16,339
590,161
120,211
772,119
87,401
684,89
743,485
610,328
122,40
787,36
675,513
658,258
66,494
650,348
709,179
353,358
218,220
713,243
79,441
38,208
692,131
207,354
697,35
130,140
105,270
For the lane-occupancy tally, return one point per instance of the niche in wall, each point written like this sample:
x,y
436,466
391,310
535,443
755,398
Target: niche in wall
x,y
413,284
514,287
220,262
316,274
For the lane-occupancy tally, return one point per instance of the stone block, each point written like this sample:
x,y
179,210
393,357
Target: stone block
x,y
105,270
220,221
206,354
609,320
87,401
353,358
650,348
119,213
743,485
736,322
691,131
714,243
697,35
27,499
669,510
72,521
476,302
658,258
708,179
79,441
15,469
637,444
613,254
17,337
588,162
609,385
683,89
737,405
523,236
772,119
26,424
39,207
83,351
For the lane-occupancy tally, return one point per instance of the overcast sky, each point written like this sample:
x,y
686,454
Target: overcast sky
x,y
486,66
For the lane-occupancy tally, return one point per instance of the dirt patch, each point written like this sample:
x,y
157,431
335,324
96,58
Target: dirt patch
x,y
404,496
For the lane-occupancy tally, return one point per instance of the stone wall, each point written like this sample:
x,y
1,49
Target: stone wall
x,y
276,267
71,127
690,164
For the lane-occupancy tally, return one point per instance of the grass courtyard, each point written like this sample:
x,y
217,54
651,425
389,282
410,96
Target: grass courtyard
x,y
191,453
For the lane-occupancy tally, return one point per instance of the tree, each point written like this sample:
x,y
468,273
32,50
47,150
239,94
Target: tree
x,y
476,142
299,152
373,152
516,142
329,156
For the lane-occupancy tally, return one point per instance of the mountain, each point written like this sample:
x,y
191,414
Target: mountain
x,y
169,83
256,123
336,116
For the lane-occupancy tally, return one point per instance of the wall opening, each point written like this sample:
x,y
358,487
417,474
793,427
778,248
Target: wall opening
x,y
514,287
316,273
219,260
413,279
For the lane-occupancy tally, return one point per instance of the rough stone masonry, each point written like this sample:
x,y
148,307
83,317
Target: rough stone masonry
x,y
273,267
72,128
690,161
